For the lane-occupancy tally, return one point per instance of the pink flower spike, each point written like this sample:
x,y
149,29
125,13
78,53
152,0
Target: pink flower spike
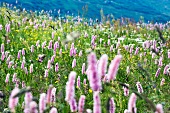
x,y
46,73
96,103
159,108
139,87
74,63
53,33
13,101
7,78
56,67
95,81
33,107
112,106
14,77
70,88
81,103
2,56
42,102
158,72
162,82
53,95
132,103
2,48
23,51
83,68
113,68
165,69
49,64
102,66
49,94
27,99
50,44
31,68
78,82
53,110
32,48
126,90
19,54
73,105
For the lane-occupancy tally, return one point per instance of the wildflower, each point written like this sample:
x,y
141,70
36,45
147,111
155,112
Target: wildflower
x,y
52,58
168,53
49,94
33,107
19,54
23,51
78,82
41,57
1,27
50,44
113,68
32,48
126,90
31,68
53,110
23,84
88,110
14,77
137,50
159,108
165,69
58,38
10,64
81,104
70,90
46,73
112,106
95,81
160,61
157,72
60,52
7,28
27,99
49,64
108,42
53,33
53,92
26,70
44,44
23,64
102,66
74,63
13,101
127,69
96,102
56,67
139,87
132,103
2,48
8,59
80,53
162,82
83,68
2,56
37,43
111,48
42,102
73,105
7,78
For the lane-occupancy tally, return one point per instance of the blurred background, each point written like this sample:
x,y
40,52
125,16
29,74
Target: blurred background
x,y
151,10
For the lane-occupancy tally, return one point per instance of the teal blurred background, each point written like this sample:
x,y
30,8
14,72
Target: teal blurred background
x,y
151,10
